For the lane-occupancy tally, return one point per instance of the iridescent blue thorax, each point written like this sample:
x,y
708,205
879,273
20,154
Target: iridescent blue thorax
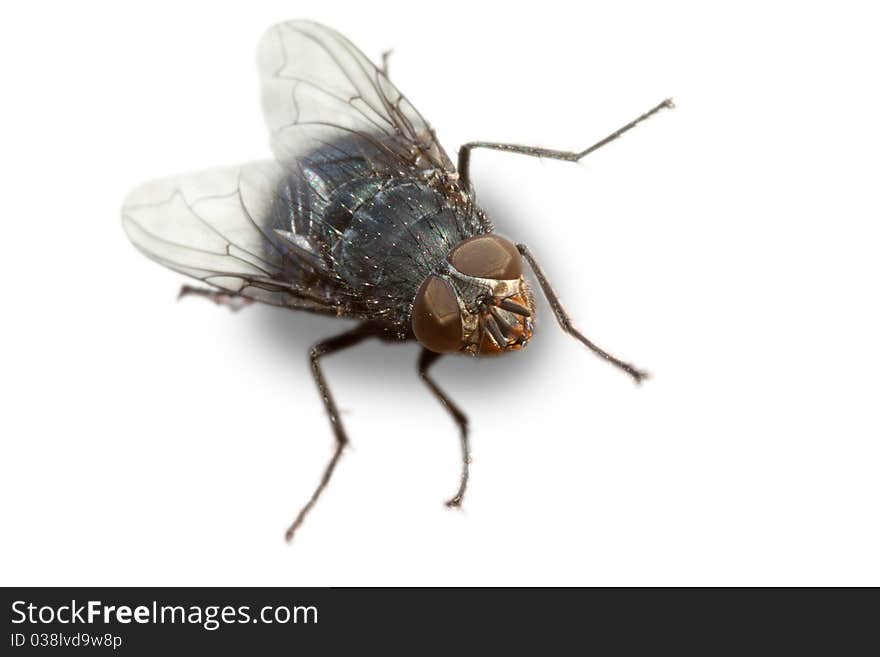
x,y
379,230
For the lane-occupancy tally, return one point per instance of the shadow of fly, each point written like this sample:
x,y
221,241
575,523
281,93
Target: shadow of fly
x,y
361,215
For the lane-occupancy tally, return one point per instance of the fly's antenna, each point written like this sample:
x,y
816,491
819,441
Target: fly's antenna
x,y
503,324
513,307
489,324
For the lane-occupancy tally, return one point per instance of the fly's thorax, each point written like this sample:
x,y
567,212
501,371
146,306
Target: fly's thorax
x,y
476,301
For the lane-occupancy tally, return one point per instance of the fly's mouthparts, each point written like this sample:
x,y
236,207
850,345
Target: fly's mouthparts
x,y
513,307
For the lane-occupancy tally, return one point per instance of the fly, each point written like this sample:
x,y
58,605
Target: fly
x,y
361,215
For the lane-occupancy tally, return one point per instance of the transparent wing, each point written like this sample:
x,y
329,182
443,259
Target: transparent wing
x,y
320,91
225,227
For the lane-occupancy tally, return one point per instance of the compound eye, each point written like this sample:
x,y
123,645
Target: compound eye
x,y
487,256
436,317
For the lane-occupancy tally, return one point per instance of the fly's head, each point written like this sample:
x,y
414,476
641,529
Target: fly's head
x,y
476,302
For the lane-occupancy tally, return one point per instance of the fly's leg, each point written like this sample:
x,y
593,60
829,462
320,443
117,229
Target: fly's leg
x,y
386,56
426,359
464,153
565,321
321,349
232,301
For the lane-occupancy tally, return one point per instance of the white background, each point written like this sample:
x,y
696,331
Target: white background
x,y
729,246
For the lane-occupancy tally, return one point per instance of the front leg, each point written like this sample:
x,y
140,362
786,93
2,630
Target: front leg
x,y
464,153
565,321
426,359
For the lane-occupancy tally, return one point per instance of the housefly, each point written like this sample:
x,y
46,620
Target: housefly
x,y
361,215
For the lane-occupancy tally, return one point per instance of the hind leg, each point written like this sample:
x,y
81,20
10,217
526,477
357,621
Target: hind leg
x,y
232,301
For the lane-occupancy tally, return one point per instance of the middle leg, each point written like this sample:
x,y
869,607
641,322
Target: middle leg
x,y
386,57
321,349
464,153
